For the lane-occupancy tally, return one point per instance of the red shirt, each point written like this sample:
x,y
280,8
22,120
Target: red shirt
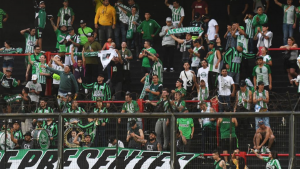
x,y
199,7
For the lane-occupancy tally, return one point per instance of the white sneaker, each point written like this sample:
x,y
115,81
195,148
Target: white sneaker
x,y
165,69
267,149
171,69
257,151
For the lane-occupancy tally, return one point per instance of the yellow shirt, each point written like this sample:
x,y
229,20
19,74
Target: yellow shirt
x,y
235,162
105,15
98,4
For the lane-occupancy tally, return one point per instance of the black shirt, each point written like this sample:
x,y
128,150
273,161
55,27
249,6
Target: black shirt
x,y
83,144
26,145
179,144
25,105
196,24
237,6
151,146
133,144
117,72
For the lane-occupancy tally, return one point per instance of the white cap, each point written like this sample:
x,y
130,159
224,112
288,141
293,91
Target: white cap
x,y
169,19
34,77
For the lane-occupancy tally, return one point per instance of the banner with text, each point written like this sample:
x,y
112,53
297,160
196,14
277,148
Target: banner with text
x,y
185,30
96,158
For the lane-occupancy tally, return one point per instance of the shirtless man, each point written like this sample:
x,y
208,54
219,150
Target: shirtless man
x,y
219,163
263,135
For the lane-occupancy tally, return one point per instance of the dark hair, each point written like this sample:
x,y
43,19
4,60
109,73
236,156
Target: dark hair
x,y
274,154
43,99
241,163
177,1
73,101
216,152
186,62
177,131
154,75
26,89
129,95
134,7
36,46
9,43
165,89
292,39
205,61
179,93
148,42
259,7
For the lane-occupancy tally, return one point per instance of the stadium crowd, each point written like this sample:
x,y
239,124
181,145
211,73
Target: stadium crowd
x,y
119,35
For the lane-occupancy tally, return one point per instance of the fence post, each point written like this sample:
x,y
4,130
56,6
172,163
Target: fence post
x,y
292,141
173,141
60,143
49,81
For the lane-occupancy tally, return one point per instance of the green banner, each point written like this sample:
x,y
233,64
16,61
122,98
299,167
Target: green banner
x,y
11,51
85,158
185,30
87,54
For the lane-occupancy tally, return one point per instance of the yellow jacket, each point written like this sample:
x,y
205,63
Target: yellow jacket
x,y
106,15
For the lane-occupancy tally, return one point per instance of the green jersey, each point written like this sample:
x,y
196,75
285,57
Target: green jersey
x,y
289,12
70,110
225,128
261,74
65,15
217,165
182,91
155,88
243,95
249,28
89,128
2,13
148,27
263,18
18,135
41,78
30,42
262,95
272,164
298,13
158,70
145,62
242,41
132,107
99,91
54,131
40,17
178,104
234,59
101,120
185,125
132,18
46,110
60,37
83,34
267,58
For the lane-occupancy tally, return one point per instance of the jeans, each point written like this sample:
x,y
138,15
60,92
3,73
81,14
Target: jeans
x,y
287,32
168,51
212,78
224,100
162,129
120,27
116,87
250,45
104,32
136,40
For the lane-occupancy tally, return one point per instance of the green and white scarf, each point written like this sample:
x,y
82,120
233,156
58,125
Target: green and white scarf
x,y
13,98
185,30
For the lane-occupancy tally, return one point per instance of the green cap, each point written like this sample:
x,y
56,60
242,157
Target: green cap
x,y
62,48
242,27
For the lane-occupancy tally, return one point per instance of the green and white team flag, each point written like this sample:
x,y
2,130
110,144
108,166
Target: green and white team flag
x,y
102,157
106,56
186,30
13,98
11,51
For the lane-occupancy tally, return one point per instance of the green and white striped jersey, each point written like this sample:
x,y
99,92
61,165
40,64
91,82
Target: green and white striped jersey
x,y
62,13
99,91
158,70
242,41
46,110
262,74
298,80
249,28
131,108
272,164
101,120
262,95
131,19
243,95
212,61
30,42
176,13
146,85
41,78
288,14
234,59
267,58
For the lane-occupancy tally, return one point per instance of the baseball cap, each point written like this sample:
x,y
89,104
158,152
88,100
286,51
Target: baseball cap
x,y
132,123
261,122
9,69
197,41
90,35
82,21
28,134
70,28
260,83
42,2
242,27
34,77
169,19
259,57
242,83
153,132
211,42
16,121
179,80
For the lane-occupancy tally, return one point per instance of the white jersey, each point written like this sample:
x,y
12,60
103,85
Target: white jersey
x,y
76,39
203,74
120,144
213,64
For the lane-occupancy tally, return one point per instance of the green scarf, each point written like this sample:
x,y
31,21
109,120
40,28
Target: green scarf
x,y
210,58
185,30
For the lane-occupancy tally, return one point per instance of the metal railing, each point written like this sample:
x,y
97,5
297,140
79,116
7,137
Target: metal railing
x,y
171,116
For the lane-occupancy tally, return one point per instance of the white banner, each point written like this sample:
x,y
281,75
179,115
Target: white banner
x,y
106,56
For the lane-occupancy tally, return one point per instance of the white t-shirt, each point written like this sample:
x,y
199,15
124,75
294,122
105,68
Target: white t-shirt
x,y
203,74
37,87
225,85
188,79
120,144
68,60
262,42
56,67
195,59
211,32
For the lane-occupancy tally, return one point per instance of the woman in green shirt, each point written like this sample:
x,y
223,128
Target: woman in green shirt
x,y
272,159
